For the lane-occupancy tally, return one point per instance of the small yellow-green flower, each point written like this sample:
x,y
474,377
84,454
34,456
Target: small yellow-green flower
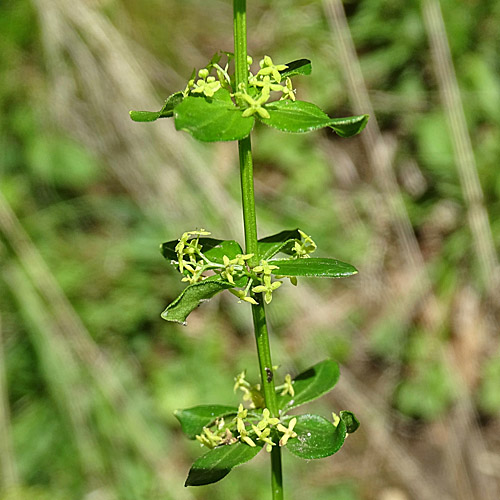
x,y
287,432
265,268
304,248
246,439
288,386
263,435
240,381
190,248
267,85
208,438
288,90
255,105
267,67
267,288
267,420
241,294
207,85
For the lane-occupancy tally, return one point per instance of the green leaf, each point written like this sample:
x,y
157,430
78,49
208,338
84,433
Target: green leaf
x,y
298,67
192,296
311,384
213,249
193,420
280,242
166,112
350,421
347,127
217,463
316,437
313,267
215,119
301,116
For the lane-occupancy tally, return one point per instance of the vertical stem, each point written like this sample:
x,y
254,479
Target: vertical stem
x,y
250,223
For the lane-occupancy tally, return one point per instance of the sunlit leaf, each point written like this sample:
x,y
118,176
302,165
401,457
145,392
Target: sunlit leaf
x,y
313,267
301,116
316,437
212,119
217,463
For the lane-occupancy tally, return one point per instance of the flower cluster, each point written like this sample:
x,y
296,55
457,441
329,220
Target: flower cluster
x,y
250,425
248,429
196,266
251,97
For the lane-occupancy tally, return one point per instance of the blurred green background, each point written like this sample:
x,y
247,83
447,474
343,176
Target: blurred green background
x,y
90,374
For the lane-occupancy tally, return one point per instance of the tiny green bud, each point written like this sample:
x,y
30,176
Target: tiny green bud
x,y
203,73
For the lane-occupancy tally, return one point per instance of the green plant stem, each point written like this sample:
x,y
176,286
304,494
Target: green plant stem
x,y
250,223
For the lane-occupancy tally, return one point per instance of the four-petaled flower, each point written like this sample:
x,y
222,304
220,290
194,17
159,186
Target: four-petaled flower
x,y
287,432
267,67
267,420
268,86
288,387
267,288
255,105
265,268
263,435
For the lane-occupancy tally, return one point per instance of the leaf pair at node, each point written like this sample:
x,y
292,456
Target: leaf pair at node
x,y
211,108
211,266
235,434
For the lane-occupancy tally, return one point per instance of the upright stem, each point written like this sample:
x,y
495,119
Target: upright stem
x,y
250,222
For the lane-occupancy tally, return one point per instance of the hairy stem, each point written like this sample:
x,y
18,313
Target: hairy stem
x,y
250,223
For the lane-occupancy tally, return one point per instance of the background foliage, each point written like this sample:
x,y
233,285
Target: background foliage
x,y
90,375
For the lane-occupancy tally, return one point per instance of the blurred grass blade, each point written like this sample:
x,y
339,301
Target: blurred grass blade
x,y
8,466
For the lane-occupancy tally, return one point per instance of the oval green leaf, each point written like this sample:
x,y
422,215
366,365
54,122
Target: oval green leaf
x,y
316,437
192,296
313,267
166,112
211,120
213,249
295,116
311,384
193,420
297,67
217,463
301,116
280,242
